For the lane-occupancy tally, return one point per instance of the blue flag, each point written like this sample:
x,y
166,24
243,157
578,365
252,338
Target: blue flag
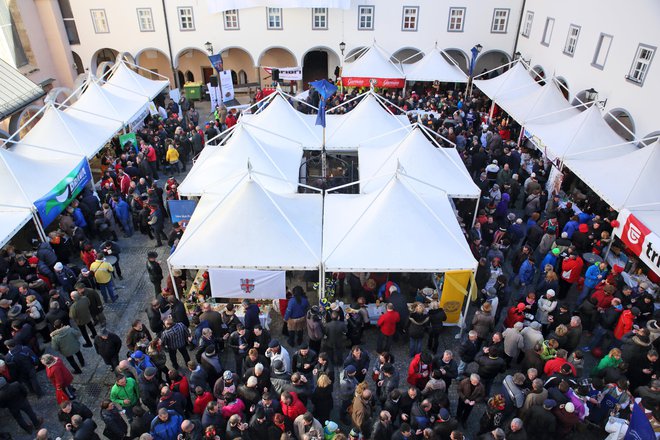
x,y
475,52
216,61
325,90
640,428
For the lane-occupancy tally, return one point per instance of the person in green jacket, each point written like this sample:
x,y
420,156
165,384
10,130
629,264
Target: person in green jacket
x,y
125,394
549,349
613,359
66,340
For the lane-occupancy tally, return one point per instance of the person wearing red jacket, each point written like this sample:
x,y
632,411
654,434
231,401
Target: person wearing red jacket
x,y
515,314
201,400
553,366
59,376
626,321
571,268
292,407
604,294
420,369
124,182
387,325
179,384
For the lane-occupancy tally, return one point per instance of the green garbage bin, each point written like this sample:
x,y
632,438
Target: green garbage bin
x,y
193,91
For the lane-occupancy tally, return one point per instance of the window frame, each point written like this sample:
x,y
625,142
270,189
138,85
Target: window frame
x,y
599,46
641,46
371,15
569,38
180,9
325,19
228,14
506,21
151,19
449,15
545,35
415,18
105,17
529,20
281,19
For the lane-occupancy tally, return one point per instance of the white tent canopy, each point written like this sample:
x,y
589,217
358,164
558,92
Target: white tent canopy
x,y
585,136
374,62
281,119
123,76
114,104
629,180
434,67
542,105
439,167
243,225
11,221
15,208
368,120
280,161
515,82
393,230
66,132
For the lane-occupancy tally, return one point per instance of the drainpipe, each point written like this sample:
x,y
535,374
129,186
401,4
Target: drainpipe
x,y
169,48
520,19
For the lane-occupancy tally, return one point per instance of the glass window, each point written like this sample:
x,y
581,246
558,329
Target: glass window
x,y
231,19
641,64
410,14
69,22
547,32
145,20
456,19
602,50
186,19
527,26
500,21
10,34
274,18
571,40
320,18
365,18
100,21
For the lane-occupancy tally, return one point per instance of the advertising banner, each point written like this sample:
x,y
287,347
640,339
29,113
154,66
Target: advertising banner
x,y
639,239
226,85
181,210
388,83
128,137
56,200
454,292
216,61
238,283
287,73
214,95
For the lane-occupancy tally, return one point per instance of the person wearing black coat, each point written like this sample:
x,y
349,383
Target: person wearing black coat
x,y
115,425
437,317
155,272
149,388
179,313
13,396
323,401
141,422
259,425
540,423
108,345
84,429
490,365
383,428
400,303
71,408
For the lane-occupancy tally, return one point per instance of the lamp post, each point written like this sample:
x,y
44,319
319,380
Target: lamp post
x,y
342,48
476,50
209,47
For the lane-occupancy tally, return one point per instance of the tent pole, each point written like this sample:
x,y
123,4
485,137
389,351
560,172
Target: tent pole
x,y
321,282
476,209
39,226
463,325
174,286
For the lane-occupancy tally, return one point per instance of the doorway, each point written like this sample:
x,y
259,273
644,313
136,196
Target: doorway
x,y
315,66
207,72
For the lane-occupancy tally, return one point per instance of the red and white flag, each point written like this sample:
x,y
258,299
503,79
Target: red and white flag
x,y
239,283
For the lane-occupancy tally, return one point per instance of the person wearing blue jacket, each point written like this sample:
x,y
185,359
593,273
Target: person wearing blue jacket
x,y
167,425
551,258
526,274
594,275
123,213
295,316
571,226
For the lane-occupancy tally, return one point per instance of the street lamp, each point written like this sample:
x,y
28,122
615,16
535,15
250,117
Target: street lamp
x,y
591,94
342,47
516,56
478,47
209,47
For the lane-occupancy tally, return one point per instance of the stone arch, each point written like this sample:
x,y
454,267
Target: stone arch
x,y
79,66
237,59
190,77
580,100
58,95
194,60
458,56
621,121
103,55
407,55
354,54
155,60
103,68
319,62
126,56
276,56
242,77
18,119
651,138
563,86
538,74
489,60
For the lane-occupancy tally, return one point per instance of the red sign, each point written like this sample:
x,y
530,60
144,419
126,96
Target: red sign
x,y
634,233
391,83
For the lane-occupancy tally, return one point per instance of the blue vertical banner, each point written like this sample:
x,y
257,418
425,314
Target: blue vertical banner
x,y
640,428
56,200
325,89
216,61
473,61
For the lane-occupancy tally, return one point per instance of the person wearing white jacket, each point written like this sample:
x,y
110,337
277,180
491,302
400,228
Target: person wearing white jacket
x,y
616,428
547,304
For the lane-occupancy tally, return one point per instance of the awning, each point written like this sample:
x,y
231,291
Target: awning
x,y
395,229
434,67
544,104
373,68
515,82
123,76
241,224
111,102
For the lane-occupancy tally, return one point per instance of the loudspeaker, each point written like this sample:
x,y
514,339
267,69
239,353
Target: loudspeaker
x,y
213,80
275,74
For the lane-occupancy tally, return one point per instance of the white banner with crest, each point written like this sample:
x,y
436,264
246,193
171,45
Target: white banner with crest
x,y
239,283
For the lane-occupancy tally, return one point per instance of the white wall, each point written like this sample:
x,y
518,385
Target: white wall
x,y
630,23
297,34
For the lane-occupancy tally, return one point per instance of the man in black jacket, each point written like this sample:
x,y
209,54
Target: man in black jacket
x,y
383,429
83,429
71,408
155,271
13,396
149,388
107,345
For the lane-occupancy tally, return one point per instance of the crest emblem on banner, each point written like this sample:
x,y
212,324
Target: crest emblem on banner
x,y
247,285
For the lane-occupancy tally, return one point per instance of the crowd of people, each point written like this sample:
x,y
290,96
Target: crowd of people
x,y
543,315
